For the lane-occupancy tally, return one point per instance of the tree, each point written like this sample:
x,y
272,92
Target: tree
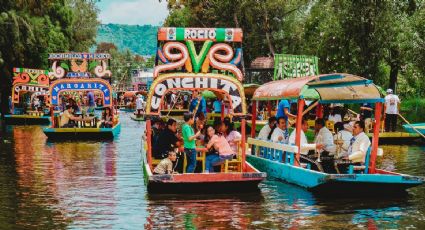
x,y
105,47
31,29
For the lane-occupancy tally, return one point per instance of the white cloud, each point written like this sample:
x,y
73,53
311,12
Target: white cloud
x,y
133,12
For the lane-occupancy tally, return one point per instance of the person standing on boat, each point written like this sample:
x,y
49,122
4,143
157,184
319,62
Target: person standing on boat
x,y
91,102
189,138
392,107
305,146
139,104
265,131
283,110
359,144
323,136
280,133
201,108
217,106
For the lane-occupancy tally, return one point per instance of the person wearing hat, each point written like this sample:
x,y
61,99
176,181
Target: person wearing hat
x,y
139,104
391,108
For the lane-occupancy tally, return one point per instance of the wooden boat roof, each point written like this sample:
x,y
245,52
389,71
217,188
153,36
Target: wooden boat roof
x,y
328,88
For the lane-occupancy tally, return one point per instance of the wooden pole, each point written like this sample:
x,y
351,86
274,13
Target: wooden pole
x,y
52,116
375,139
222,110
243,123
149,140
408,123
254,118
269,108
298,129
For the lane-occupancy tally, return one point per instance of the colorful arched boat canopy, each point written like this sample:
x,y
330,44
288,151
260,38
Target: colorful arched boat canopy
x,y
93,84
327,88
227,85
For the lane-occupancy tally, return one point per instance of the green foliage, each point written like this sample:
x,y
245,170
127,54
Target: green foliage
x,y
31,29
380,40
138,39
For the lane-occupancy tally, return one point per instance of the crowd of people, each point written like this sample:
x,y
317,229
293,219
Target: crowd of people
x,y
82,109
348,144
220,142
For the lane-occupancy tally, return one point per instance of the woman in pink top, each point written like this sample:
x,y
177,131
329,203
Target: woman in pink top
x,y
232,136
220,144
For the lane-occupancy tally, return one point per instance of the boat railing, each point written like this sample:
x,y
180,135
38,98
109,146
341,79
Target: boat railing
x,y
273,151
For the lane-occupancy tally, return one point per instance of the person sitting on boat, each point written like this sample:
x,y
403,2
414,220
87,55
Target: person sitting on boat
x,y
283,110
189,138
165,166
106,121
266,130
220,144
323,136
359,144
167,140
342,141
139,105
67,118
305,146
280,133
232,136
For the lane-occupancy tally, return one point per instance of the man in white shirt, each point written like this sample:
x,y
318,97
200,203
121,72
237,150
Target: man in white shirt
x,y
305,146
139,104
342,140
265,131
359,144
392,106
280,134
323,136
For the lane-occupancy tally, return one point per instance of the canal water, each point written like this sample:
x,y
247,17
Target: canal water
x,y
87,185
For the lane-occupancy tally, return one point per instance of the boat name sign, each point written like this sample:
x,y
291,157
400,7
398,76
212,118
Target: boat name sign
x,y
190,83
81,86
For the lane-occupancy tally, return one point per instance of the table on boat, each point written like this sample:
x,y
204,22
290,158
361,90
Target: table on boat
x,y
84,119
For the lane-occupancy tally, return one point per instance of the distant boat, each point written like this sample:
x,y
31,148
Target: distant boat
x,y
418,126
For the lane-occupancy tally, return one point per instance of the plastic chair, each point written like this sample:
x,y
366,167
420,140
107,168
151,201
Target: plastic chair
x,y
361,168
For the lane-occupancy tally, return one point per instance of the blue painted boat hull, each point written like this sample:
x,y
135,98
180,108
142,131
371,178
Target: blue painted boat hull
x,y
64,134
344,185
419,126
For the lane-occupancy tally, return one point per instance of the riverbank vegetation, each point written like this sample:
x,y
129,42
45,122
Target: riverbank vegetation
x,y
380,40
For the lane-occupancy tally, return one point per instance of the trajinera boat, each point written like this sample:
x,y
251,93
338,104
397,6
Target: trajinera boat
x,y
29,97
87,78
282,161
213,68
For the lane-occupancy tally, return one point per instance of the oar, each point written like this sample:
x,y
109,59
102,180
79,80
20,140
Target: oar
x,y
174,103
408,123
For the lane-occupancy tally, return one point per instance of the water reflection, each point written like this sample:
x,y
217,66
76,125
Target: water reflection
x,y
87,185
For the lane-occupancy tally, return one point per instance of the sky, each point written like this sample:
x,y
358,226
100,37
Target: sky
x,y
132,12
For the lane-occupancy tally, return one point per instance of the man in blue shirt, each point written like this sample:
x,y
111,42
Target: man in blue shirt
x,y
217,106
91,103
283,110
202,108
